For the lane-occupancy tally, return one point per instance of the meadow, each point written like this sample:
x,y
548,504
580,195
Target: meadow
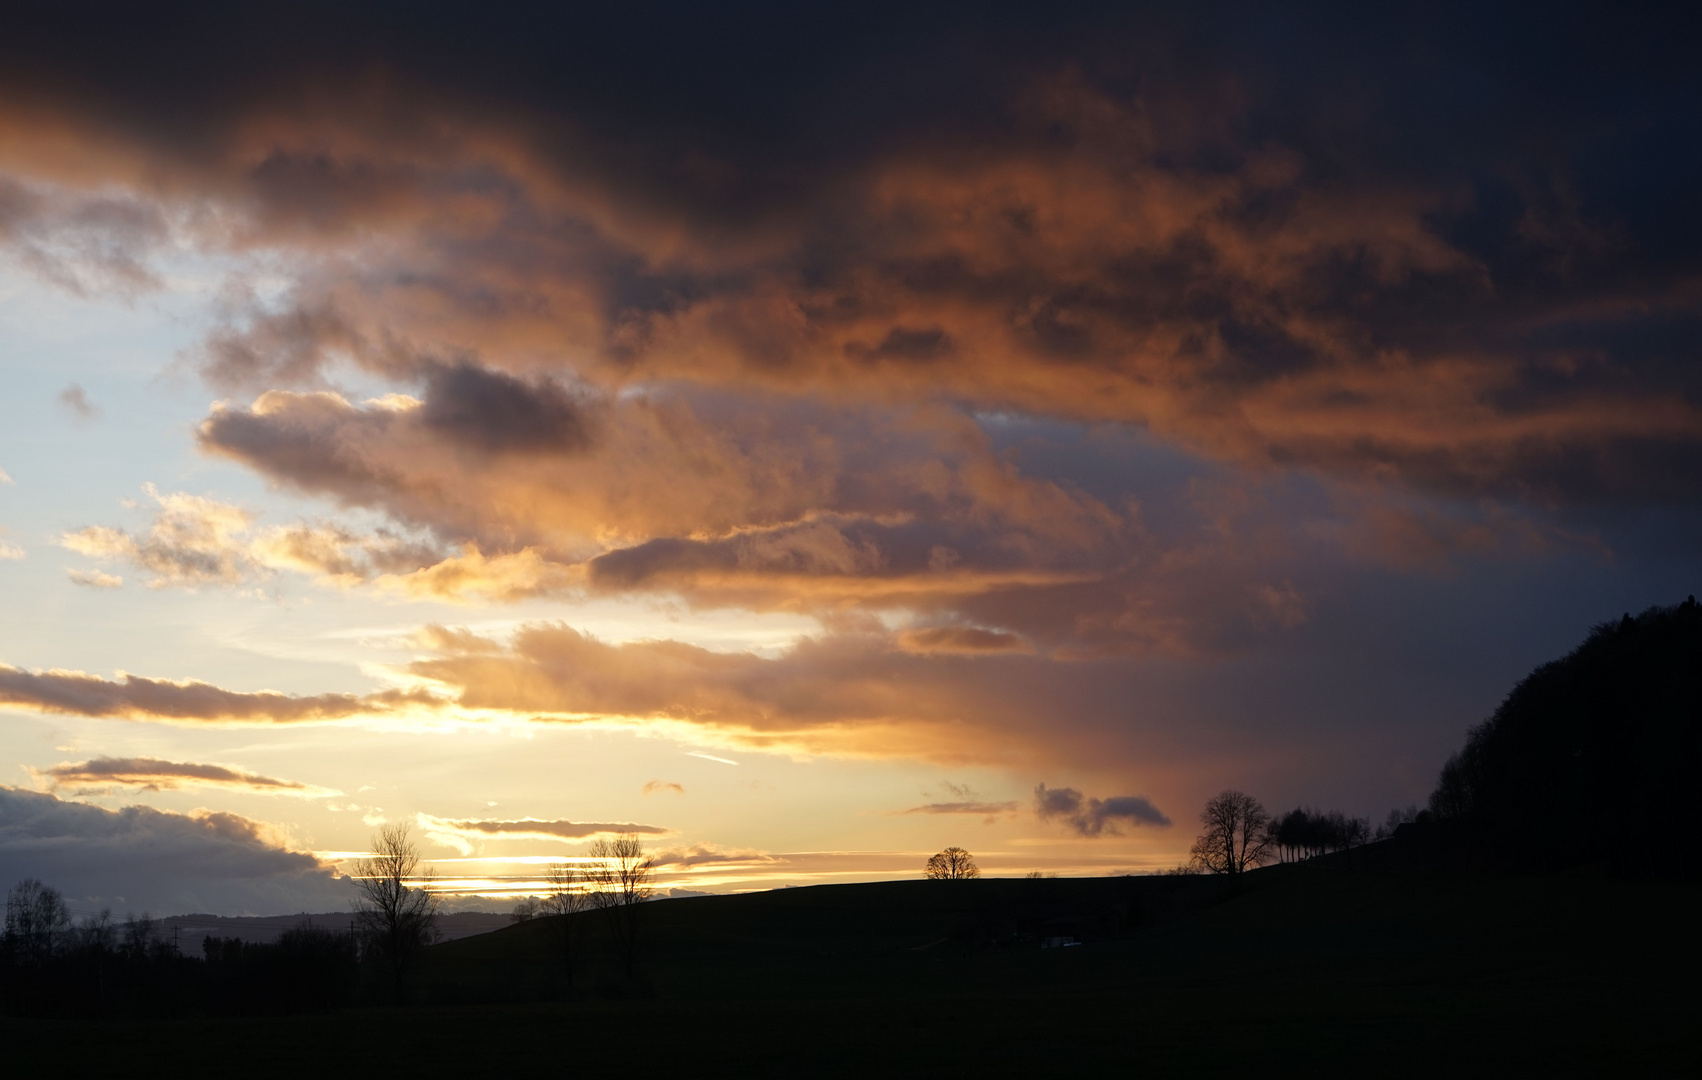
x,y
1298,970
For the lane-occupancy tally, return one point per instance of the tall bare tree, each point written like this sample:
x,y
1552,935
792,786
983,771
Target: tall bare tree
x,y
396,907
571,892
1237,834
621,880
952,864
36,921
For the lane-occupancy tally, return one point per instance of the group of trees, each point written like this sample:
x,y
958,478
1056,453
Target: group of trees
x,y
309,968
50,962
40,930
1239,835
1595,758
1591,759
53,964
398,904
616,882
1302,833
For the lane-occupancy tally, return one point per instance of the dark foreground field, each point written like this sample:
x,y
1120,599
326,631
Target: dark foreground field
x,y
1303,972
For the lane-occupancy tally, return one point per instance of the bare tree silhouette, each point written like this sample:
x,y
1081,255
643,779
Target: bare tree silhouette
x,y
396,908
952,864
1237,834
526,910
621,878
571,892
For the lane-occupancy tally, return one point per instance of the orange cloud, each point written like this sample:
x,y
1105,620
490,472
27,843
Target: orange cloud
x,y
853,693
961,639
1088,258
195,541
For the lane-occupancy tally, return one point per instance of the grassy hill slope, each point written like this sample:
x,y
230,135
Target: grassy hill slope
x,y
1303,972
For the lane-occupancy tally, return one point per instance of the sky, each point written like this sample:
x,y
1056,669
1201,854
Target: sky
x,y
809,436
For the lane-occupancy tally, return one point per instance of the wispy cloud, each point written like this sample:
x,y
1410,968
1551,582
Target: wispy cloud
x,y
460,833
712,855
155,774
651,787
195,541
76,401
95,579
133,697
981,809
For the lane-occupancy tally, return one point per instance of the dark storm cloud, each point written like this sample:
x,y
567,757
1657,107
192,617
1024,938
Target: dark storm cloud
x,y
138,858
1428,247
725,302
1092,817
496,412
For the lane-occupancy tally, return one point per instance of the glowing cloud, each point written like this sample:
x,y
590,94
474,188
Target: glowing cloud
x,y
461,833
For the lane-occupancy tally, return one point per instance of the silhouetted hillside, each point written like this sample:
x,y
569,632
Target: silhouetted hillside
x,y
1593,758
1295,970
266,929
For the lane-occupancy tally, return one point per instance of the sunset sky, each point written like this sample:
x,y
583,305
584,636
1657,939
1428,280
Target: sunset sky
x,y
809,435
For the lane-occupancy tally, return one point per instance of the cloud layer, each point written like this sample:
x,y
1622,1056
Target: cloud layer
x,y
138,858
1036,353
634,348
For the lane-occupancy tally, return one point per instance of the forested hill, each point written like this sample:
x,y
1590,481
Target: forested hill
x,y
1595,758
